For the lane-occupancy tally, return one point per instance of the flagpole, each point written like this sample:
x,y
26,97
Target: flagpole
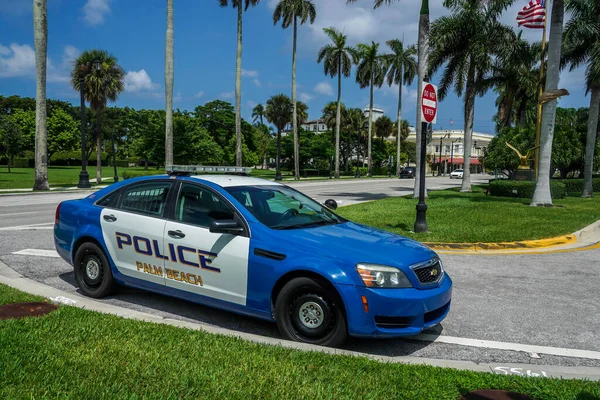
x,y
538,130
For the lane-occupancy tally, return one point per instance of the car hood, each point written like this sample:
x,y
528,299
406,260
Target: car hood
x,y
355,243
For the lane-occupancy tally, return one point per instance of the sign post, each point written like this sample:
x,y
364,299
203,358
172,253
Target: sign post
x,y
429,107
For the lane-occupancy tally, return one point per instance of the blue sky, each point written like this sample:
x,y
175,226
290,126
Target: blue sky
x,y
205,44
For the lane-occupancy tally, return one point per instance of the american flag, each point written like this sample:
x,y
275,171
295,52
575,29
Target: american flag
x,y
533,15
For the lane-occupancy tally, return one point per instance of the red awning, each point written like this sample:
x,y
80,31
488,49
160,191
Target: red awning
x,y
458,160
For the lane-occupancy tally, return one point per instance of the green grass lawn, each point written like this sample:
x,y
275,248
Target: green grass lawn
x,y
455,217
74,353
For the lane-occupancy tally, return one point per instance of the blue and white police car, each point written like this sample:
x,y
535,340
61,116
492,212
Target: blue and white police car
x,y
254,247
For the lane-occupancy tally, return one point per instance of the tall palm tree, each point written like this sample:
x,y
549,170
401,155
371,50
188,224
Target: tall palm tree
x,y
466,40
40,37
301,113
258,113
238,72
169,77
370,72
279,113
541,195
582,45
354,122
103,80
289,11
337,60
384,127
403,69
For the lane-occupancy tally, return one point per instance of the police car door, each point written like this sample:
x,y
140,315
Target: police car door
x,y
199,261
133,232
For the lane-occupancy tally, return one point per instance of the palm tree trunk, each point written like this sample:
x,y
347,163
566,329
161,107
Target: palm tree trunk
x,y
40,35
423,50
238,90
98,147
541,195
468,133
169,77
338,120
295,113
370,166
590,142
398,134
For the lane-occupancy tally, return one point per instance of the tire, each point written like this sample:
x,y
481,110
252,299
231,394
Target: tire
x,y
92,271
324,322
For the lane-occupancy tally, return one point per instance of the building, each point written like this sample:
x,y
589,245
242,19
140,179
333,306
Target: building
x,y
317,126
377,113
446,149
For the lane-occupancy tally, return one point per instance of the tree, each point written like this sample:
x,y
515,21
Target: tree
x,y
258,113
541,195
10,139
337,60
384,127
355,123
289,11
103,81
169,77
582,46
238,72
279,113
466,40
403,69
301,113
40,39
370,72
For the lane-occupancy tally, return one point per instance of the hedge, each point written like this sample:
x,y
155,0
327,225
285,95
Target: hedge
x,y
574,187
67,158
135,174
523,189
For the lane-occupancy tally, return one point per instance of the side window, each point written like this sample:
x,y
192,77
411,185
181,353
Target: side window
x,y
199,206
148,198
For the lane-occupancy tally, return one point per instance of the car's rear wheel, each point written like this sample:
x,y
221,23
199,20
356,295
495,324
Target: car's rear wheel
x,y
307,311
92,271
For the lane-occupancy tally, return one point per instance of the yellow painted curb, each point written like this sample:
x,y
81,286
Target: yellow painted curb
x,y
519,252
524,244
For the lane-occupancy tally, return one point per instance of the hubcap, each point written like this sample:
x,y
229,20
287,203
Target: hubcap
x,y
92,269
311,314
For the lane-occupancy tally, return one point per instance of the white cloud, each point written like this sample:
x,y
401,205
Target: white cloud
x,y
178,97
249,73
324,88
136,81
305,97
94,11
17,61
4,51
257,82
227,95
199,94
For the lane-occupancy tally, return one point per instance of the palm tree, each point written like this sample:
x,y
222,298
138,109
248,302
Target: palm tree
x,y
337,60
103,80
169,77
258,113
238,73
384,127
301,113
354,121
279,113
289,11
541,195
40,36
370,72
403,69
466,41
582,45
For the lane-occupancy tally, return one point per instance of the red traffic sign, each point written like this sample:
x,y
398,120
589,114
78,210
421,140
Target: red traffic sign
x,y
429,103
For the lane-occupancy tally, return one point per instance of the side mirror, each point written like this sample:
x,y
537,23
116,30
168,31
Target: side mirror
x,y
226,226
331,204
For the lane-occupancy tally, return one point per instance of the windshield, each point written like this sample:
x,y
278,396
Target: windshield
x,y
280,207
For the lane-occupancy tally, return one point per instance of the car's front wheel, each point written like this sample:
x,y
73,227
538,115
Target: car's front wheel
x,y
307,311
92,271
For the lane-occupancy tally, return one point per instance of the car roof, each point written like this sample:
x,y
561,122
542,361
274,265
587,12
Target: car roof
x,y
234,180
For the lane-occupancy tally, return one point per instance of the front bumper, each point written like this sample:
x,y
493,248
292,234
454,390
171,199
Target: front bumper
x,y
395,312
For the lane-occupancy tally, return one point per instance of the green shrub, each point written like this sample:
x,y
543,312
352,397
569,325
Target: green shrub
x,y
135,174
523,189
574,187
21,162
67,158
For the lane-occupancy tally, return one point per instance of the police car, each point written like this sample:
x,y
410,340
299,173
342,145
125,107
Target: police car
x,y
254,247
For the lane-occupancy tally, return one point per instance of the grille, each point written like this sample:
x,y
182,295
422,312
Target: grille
x,y
429,274
392,322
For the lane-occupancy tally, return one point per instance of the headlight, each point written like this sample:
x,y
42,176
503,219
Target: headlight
x,y
380,276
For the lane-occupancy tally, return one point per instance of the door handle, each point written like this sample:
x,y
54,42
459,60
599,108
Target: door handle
x,y
110,218
176,234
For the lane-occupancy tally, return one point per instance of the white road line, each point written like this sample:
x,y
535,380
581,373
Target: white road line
x,y
37,252
45,225
20,213
490,344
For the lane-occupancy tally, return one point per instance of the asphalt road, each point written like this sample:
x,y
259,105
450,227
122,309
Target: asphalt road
x,y
546,300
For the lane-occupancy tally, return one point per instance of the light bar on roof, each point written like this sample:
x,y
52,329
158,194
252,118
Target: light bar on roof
x,y
206,169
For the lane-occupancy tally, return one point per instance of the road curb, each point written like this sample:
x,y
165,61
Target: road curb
x,y
15,280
